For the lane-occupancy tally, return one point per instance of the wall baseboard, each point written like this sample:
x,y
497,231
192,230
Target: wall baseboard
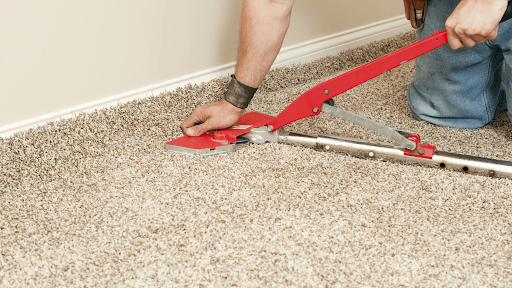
x,y
300,53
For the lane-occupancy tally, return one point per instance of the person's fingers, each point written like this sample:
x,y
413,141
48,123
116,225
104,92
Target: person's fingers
x,y
196,117
478,38
200,129
453,39
217,115
188,131
465,39
493,34
458,39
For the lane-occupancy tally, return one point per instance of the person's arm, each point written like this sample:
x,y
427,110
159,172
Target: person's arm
x,y
264,25
474,21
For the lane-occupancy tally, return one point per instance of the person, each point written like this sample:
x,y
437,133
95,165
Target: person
x,y
433,95
464,87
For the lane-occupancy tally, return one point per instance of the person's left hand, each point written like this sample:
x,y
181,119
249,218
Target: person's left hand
x,y
474,21
212,116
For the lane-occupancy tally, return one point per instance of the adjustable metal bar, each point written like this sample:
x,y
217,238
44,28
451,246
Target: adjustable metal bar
x,y
380,128
368,149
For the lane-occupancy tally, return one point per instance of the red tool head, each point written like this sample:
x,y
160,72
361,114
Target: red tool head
x,y
218,142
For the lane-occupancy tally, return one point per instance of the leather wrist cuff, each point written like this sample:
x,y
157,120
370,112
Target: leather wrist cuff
x,y
238,94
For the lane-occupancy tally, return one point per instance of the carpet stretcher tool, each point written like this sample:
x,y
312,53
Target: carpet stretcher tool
x,y
260,128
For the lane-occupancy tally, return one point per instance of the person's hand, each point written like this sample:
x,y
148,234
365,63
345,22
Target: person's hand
x,y
216,115
474,21
410,7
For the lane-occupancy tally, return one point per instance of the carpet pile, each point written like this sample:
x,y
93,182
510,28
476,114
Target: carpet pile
x,y
96,200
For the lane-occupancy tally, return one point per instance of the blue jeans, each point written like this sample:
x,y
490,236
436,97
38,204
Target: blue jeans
x,y
462,88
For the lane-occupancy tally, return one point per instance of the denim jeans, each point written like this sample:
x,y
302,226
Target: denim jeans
x,y
462,88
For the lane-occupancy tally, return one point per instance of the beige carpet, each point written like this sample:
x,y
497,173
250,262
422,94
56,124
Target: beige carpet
x,y
97,201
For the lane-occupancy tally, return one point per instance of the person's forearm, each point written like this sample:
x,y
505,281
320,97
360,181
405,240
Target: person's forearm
x,y
264,25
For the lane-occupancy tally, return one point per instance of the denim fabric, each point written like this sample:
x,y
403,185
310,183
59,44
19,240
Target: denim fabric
x,y
462,88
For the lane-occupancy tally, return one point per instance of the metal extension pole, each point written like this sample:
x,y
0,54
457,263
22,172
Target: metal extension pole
x,y
386,152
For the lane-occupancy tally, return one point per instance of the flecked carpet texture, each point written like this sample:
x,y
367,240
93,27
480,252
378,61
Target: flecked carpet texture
x,y
96,200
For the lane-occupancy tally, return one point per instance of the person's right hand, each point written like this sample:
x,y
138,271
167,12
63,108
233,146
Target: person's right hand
x,y
216,115
474,21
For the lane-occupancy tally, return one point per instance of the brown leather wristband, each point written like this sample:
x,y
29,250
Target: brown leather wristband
x,y
238,94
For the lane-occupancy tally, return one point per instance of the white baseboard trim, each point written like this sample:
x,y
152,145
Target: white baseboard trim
x,y
300,53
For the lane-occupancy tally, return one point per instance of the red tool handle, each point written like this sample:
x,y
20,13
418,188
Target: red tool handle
x,y
310,103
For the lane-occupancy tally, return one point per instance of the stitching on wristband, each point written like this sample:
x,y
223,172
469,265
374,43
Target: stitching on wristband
x,y
238,94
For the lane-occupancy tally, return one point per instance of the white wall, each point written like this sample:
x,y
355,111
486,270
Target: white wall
x,y
58,54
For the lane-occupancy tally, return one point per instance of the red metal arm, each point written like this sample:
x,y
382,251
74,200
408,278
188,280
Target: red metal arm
x,y
303,106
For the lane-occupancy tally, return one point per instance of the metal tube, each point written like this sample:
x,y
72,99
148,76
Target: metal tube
x,y
291,138
472,164
386,152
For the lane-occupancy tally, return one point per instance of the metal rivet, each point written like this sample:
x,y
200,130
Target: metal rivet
x,y
270,128
491,173
326,91
315,110
421,151
327,147
371,154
